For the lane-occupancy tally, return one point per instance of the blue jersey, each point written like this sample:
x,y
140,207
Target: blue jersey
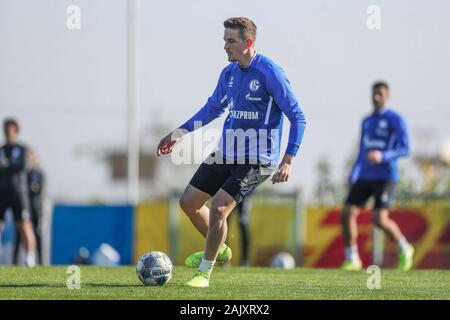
x,y
256,98
384,131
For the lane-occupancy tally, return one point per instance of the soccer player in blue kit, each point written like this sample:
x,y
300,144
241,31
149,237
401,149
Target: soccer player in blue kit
x,y
256,93
14,188
384,139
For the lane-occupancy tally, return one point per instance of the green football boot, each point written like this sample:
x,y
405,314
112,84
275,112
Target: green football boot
x,y
352,265
199,280
405,259
194,260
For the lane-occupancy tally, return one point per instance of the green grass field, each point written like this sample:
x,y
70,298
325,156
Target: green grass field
x,y
230,283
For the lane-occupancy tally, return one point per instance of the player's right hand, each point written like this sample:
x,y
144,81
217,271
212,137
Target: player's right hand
x,y
4,163
165,146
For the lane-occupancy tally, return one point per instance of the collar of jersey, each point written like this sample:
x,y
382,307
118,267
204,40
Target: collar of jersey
x,y
382,111
250,64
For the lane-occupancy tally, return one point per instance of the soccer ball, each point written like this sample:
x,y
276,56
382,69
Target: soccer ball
x,y
283,260
154,268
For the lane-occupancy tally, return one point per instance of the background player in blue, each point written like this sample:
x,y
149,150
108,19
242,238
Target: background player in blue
x,y
257,93
242,210
384,139
14,188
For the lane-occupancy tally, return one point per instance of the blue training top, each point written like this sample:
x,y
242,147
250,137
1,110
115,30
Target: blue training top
x,y
256,97
385,131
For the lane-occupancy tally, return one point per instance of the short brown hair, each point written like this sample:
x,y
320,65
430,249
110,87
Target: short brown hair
x,y
10,122
380,84
246,27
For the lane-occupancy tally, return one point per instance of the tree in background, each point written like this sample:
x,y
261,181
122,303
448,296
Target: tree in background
x,y
326,192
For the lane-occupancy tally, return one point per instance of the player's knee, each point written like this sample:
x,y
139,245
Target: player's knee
x,y
377,220
347,214
380,220
218,212
187,205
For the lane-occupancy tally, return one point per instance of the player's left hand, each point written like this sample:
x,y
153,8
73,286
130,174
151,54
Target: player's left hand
x,y
284,170
375,156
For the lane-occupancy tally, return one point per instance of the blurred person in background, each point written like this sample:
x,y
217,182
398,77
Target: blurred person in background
x,y
14,187
384,139
35,179
243,213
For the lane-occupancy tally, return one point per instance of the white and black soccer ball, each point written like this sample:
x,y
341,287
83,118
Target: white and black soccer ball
x,y
283,260
154,268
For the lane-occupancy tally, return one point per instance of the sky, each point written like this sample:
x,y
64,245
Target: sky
x,y
68,88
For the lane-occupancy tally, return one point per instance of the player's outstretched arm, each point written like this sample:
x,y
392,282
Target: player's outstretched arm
x,y
165,146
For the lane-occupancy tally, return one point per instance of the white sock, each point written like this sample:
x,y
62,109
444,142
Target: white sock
x,y
206,266
351,253
403,245
30,259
